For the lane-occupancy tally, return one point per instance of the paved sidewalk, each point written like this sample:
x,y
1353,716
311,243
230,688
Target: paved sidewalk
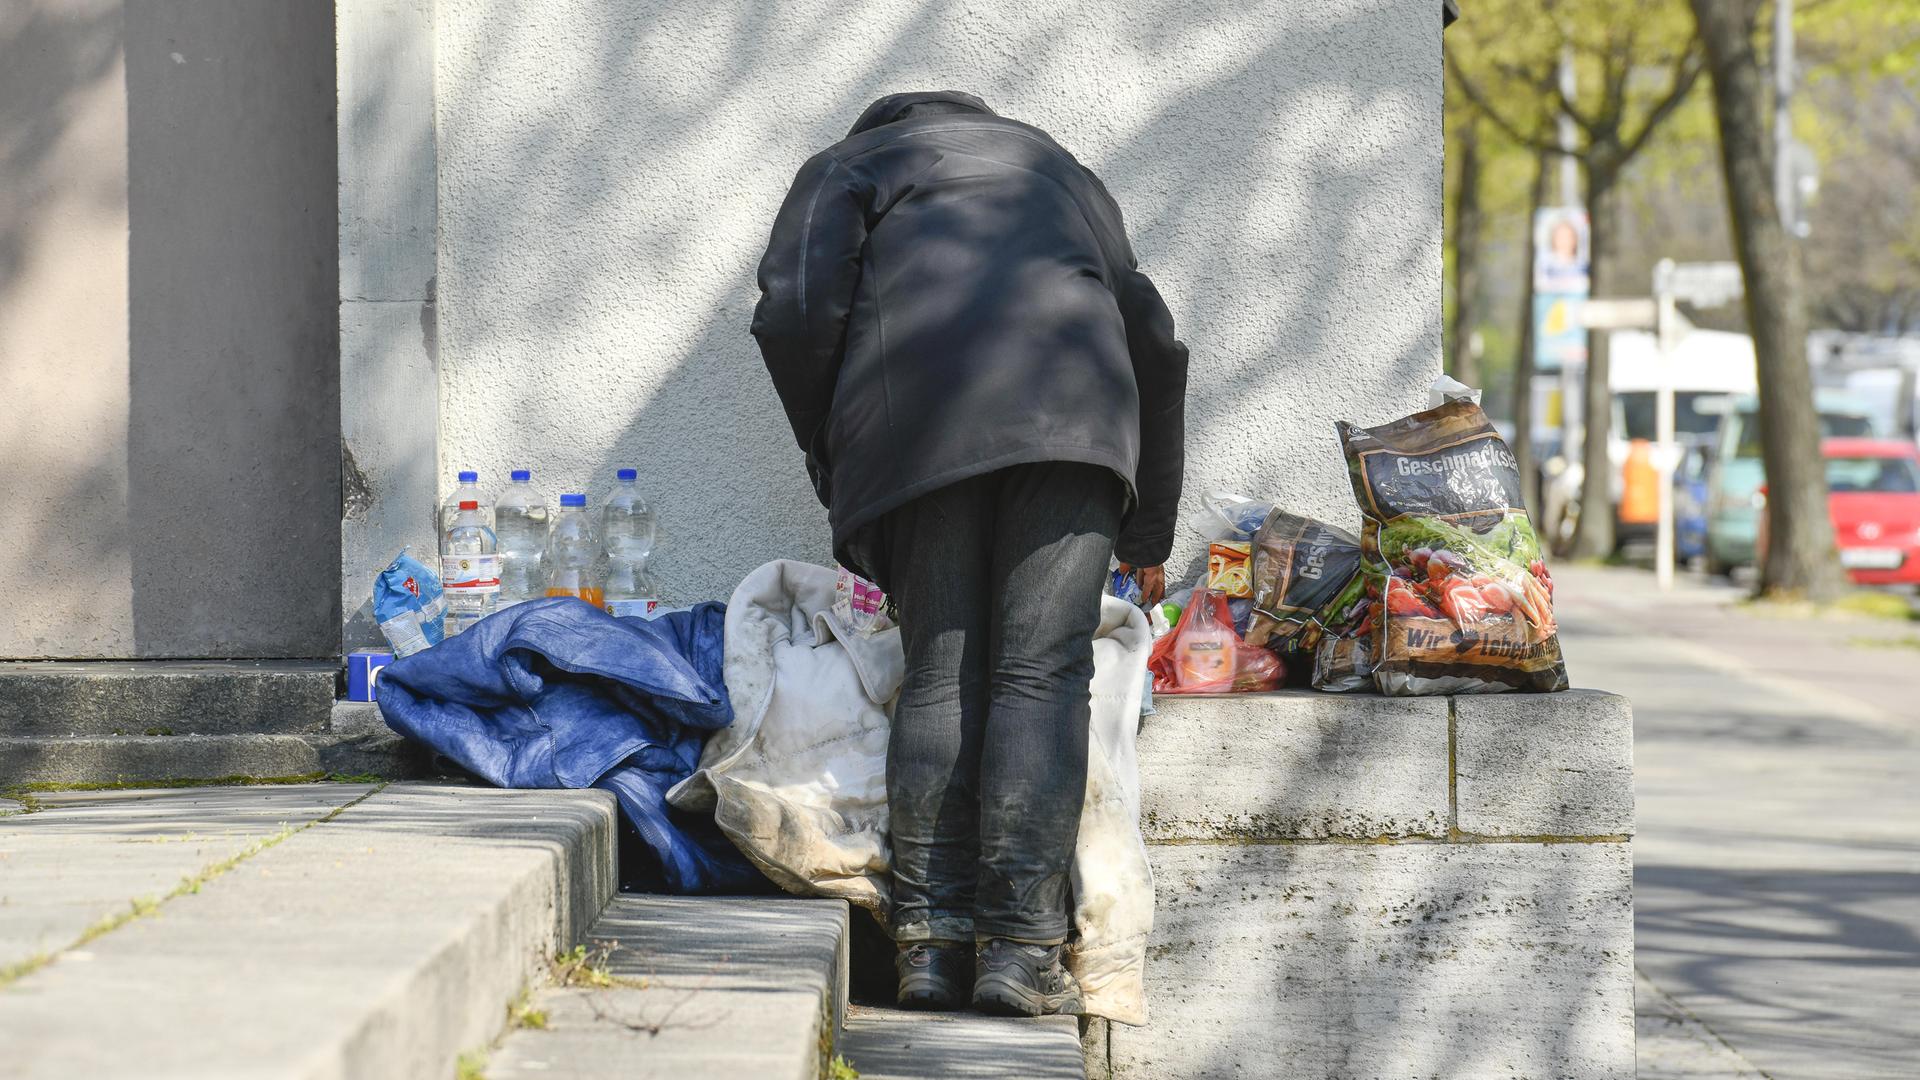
x,y
1778,855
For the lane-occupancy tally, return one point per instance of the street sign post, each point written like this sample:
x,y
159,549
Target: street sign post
x,y
1702,285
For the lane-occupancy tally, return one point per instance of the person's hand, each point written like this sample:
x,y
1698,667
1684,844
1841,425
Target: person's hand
x,y
1153,582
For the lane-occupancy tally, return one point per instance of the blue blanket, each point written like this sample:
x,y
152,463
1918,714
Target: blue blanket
x,y
556,693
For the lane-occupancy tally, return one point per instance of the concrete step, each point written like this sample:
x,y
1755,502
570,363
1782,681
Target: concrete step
x,y
693,987
165,759
161,697
889,1044
299,931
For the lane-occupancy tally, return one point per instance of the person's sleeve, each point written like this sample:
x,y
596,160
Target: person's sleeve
x,y
807,281
1160,370
1160,373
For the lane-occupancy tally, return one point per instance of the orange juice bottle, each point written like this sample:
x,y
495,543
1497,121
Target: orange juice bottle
x,y
573,553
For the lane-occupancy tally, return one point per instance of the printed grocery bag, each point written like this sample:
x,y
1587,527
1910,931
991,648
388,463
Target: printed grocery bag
x,y
1467,604
1306,581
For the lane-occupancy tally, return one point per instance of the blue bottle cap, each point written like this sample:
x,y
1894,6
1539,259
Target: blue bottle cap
x,y
520,476
468,476
628,474
573,500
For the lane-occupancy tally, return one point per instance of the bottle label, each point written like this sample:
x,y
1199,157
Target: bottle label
x,y
480,573
643,609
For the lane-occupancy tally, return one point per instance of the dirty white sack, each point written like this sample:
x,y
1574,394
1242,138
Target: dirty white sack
x,y
798,782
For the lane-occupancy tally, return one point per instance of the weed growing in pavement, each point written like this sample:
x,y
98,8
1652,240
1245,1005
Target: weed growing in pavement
x,y
582,967
1860,603
471,1066
1907,642
522,1014
1878,605
838,1069
179,782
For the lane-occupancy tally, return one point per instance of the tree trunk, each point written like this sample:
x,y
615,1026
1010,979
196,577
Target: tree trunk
x,y
1593,536
1800,558
1523,361
1466,258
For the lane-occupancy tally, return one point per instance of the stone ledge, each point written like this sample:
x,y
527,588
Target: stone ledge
x,y
1533,765
136,697
1293,764
1357,960
161,759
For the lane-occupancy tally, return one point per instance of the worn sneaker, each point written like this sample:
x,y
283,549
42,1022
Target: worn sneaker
x,y
1016,979
932,976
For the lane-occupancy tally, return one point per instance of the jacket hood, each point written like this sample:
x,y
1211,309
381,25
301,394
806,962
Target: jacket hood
x,y
919,103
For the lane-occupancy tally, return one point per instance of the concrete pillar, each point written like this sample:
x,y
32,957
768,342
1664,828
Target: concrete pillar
x,y
389,363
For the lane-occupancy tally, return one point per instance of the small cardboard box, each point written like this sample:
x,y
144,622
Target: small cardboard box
x,y
363,672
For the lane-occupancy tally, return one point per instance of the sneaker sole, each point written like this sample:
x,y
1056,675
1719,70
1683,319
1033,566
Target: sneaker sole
x,y
998,995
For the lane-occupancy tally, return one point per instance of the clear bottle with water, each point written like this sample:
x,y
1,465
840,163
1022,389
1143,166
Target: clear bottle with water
x,y
573,553
469,567
630,589
467,490
520,523
627,522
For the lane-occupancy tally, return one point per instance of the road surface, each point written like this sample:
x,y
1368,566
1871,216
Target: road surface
x,y
1777,860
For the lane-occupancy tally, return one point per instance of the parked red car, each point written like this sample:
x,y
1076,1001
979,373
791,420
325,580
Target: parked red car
x,y
1874,498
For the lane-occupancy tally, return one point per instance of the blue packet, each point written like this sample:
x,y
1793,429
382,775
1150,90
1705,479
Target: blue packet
x,y
408,605
1125,585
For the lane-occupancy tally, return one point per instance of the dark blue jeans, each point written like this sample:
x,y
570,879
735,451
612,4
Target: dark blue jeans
x,y
998,581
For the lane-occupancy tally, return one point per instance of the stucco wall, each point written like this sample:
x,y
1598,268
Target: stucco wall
x,y
608,171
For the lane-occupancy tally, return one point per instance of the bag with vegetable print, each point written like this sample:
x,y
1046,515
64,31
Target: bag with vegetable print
x,y
1448,549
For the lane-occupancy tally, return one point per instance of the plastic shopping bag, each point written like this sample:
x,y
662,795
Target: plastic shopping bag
x,y
408,605
1305,581
1448,549
860,604
1203,655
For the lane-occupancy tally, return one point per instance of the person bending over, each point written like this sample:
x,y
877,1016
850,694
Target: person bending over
x,y
992,404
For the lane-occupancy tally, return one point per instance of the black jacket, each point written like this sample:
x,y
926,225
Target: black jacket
x,y
948,292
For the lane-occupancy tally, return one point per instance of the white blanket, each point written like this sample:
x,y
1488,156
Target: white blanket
x,y
798,782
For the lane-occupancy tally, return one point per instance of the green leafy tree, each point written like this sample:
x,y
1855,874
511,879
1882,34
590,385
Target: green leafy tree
x,y
1635,62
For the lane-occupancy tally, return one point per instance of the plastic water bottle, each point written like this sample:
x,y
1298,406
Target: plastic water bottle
x,y
630,589
520,522
573,553
469,567
468,490
627,522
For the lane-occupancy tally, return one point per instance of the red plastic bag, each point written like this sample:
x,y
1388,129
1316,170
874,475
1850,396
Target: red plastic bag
x,y
1204,656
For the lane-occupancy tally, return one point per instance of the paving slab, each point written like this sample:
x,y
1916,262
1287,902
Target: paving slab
x,y
208,697
1673,1044
1544,764
380,942
1777,857
1293,764
674,1032
703,987
87,856
891,1044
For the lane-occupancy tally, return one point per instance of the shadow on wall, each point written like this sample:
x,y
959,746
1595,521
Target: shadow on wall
x,y
62,335
605,196
168,329
233,438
